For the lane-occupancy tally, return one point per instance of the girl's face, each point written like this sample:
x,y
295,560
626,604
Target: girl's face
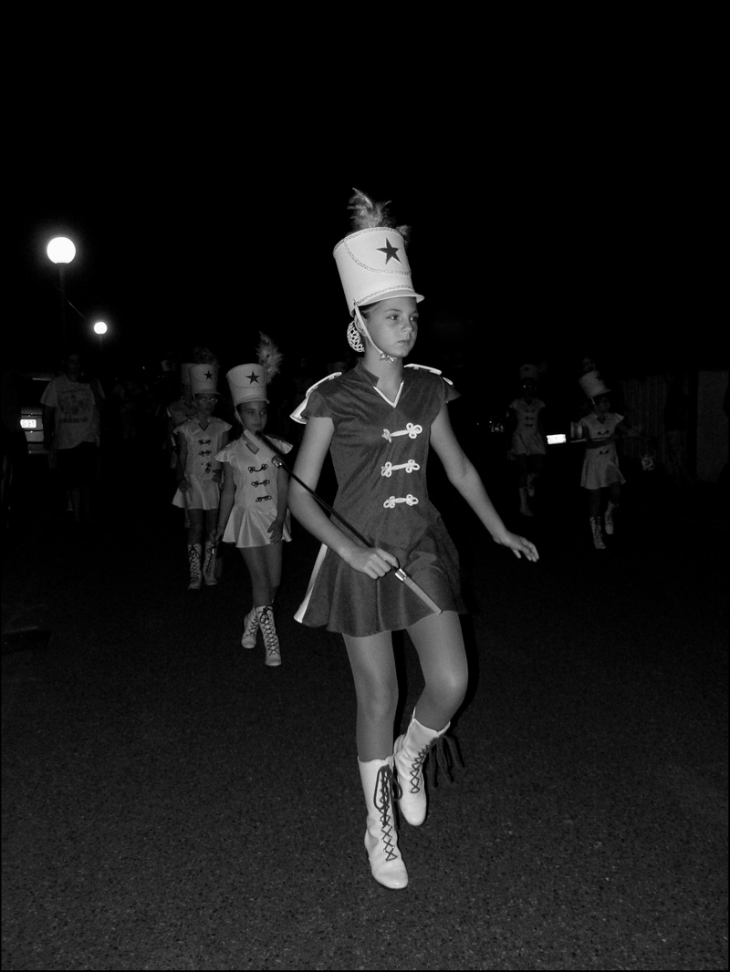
x,y
393,325
206,404
252,416
602,405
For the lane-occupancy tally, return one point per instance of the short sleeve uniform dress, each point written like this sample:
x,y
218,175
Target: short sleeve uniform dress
x,y
256,499
202,466
600,466
379,450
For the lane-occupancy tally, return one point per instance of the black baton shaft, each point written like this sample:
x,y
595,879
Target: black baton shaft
x,y
323,503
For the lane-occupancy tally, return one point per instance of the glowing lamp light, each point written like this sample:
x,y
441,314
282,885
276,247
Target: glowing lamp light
x,y
100,327
61,250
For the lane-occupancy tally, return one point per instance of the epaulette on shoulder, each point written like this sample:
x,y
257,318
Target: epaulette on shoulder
x,y
296,415
434,371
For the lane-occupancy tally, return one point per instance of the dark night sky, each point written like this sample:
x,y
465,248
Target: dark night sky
x,y
542,253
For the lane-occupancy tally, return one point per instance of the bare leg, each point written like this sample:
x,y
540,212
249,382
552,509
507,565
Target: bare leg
x,y
196,525
594,502
211,518
440,645
264,566
614,493
376,686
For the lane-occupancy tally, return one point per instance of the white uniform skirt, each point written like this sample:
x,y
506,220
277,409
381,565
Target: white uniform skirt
x,y
202,495
250,528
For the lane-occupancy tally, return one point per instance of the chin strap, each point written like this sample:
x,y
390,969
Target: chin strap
x,y
383,355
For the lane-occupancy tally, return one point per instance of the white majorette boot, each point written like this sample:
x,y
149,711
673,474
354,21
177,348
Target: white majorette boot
x,y
209,559
597,533
271,640
608,519
381,837
194,562
250,627
410,752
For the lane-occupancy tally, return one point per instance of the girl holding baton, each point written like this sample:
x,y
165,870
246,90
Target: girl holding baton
x,y
377,421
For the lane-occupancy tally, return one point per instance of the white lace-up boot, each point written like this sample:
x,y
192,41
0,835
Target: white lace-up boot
x,y
271,640
597,533
250,627
411,751
209,560
194,562
608,519
381,837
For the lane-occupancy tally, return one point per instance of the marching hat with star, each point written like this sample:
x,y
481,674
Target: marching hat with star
x,y
248,381
372,261
204,379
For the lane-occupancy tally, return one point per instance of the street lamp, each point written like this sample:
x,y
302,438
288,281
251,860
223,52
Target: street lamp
x,y
100,328
61,251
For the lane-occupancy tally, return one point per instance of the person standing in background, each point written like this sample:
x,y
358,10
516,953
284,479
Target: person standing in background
x,y
72,406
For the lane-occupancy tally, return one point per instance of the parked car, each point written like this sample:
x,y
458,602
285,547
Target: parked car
x,y
22,436
31,387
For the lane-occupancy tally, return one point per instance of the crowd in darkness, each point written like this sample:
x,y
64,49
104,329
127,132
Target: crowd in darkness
x,y
137,403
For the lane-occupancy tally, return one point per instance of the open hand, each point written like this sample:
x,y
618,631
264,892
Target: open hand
x,y
276,532
519,546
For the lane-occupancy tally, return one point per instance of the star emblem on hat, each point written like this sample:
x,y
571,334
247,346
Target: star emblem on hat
x,y
389,250
209,375
252,377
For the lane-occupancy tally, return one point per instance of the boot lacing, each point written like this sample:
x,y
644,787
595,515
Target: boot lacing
x,y
209,561
271,642
387,789
194,563
444,761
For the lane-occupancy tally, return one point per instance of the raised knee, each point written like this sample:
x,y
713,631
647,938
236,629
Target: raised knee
x,y
452,690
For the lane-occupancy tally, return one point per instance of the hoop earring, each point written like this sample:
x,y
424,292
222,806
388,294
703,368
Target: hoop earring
x,y
354,338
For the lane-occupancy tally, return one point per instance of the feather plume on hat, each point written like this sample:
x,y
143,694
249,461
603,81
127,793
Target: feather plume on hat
x,y
269,356
367,214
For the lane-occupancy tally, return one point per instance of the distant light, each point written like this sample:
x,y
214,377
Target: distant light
x,y
61,250
100,327
557,439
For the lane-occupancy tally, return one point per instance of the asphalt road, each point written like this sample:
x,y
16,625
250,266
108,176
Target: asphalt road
x,y
171,803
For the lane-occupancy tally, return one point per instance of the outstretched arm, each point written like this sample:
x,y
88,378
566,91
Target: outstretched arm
x,y
466,480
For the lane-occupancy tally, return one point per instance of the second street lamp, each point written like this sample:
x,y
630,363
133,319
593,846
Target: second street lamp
x,y
61,251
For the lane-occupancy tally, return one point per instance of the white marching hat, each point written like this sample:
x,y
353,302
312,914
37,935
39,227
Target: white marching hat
x,y
593,385
247,383
528,371
203,379
373,266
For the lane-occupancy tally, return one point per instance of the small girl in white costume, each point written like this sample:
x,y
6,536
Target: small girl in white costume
x,y
600,466
253,512
198,472
379,421
528,439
